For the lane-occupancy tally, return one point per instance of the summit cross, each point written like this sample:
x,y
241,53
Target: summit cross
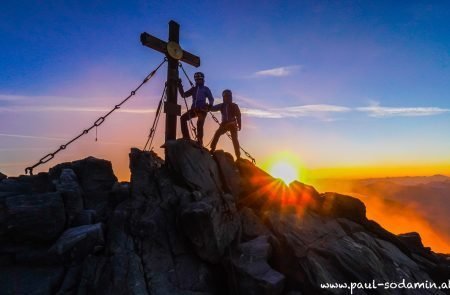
x,y
174,54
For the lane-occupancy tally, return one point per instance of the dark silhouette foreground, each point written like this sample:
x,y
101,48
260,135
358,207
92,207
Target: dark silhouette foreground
x,y
195,224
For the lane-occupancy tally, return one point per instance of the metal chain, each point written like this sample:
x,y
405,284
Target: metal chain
x,y
151,135
96,124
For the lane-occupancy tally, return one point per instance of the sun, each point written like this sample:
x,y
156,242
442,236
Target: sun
x,y
287,166
285,171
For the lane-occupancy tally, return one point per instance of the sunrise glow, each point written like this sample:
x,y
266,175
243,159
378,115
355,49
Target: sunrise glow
x,y
285,166
284,171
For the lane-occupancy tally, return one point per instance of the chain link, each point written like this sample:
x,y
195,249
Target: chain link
x,y
96,124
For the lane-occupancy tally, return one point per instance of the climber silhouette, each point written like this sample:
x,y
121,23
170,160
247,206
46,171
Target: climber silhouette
x,y
231,121
199,106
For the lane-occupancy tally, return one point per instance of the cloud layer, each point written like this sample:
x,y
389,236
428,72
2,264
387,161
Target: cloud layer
x,y
253,109
379,111
277,72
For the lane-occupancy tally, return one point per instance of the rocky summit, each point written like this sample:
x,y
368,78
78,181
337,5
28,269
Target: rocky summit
x,y
195,224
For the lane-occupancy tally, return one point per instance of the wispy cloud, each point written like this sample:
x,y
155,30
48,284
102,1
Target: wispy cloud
x,y
72,109
319,110
306,110
25,136
375,110
23,103
30,136
277,72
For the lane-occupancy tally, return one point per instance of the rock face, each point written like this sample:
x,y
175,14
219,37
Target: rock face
x,y
194,224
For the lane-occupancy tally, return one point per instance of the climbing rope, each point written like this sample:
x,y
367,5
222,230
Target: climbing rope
x,y
152,132
217,121
193,129
96,124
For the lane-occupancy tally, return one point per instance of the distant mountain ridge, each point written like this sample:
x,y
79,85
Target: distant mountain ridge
x,y
428,196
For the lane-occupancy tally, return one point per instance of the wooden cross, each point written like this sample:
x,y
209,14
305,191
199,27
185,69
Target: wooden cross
x,y
174,53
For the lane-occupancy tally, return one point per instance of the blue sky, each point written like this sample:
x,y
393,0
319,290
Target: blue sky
x,y
337,83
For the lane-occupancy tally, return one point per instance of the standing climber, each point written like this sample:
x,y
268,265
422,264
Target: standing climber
x,y
199,107
231,121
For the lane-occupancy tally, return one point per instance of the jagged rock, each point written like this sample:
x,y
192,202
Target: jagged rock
x,y
312,250
71,193
40,183
211,225
210,221
250,273
77,242
37,217
305,195
259,191
252,226
121,274
2,176
169,263
96,179
193,165
30,280
229,173
12,186
93,174
143,167
175,229
337,205
413,240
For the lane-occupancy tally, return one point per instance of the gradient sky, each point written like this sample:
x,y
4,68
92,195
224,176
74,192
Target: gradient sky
x,y
350,88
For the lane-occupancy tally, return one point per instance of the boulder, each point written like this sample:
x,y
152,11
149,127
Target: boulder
x,y
71,193
412,240
93,174
337,205
306,196
211,226
169,261
311,250
33,218
193,166
209,220
40,183
250,272
252,226
78,242
143,167
12,186
229,173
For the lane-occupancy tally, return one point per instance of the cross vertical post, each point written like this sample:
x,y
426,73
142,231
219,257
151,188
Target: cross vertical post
x,y
174,54
171,105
